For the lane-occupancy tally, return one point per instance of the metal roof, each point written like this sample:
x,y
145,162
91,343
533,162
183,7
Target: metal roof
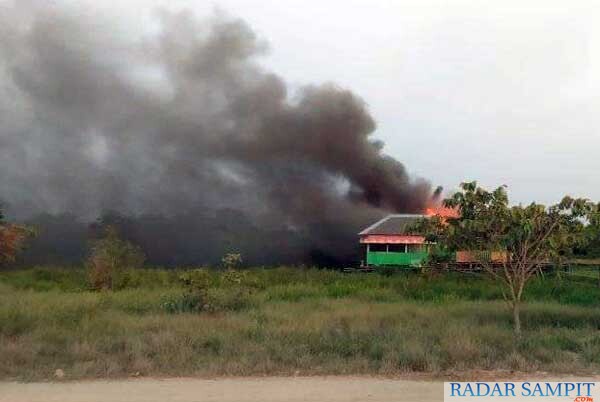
x,y
392,224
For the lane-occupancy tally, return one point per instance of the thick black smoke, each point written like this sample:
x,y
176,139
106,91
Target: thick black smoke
x,y
194,146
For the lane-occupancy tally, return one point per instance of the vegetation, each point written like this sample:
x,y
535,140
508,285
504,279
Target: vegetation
x,y
232,260
110,260
281,321
112,318
12,239
592,234
527,237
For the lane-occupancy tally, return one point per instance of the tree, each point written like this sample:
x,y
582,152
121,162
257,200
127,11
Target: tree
x,y
527,236
12,239
591,248
111,256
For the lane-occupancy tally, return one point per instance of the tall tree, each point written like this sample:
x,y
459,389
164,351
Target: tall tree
x,y
527,237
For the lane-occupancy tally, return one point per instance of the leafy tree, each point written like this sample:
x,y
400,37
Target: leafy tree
x,y
591,248
110,257
527,236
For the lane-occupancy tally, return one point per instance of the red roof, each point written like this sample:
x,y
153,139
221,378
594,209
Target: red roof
x,y
392,239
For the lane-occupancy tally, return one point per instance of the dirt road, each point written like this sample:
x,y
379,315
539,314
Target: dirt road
x,y
305,389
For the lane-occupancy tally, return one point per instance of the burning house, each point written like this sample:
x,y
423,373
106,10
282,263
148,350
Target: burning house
x,y
389,242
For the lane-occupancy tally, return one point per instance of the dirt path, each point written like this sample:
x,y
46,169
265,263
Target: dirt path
x,y
305,389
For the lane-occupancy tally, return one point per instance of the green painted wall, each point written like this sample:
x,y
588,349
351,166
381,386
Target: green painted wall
x,y
379,258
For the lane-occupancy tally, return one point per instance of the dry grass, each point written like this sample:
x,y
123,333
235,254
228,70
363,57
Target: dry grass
x,y
314,323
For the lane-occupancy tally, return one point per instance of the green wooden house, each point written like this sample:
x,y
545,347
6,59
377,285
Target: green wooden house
x,y
389,242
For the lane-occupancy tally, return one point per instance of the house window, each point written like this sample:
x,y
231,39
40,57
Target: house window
x,y
397,248
377,247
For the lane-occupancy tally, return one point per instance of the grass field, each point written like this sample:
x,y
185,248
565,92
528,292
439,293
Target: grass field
x,y
288,321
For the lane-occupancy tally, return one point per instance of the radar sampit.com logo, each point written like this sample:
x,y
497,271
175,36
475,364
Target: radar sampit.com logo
x,y
521,391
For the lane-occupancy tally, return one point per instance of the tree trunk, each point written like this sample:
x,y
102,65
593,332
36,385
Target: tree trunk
x,y
517,318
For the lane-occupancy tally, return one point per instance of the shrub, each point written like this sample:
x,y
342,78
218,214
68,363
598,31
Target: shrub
x,y
230,292
186,303
196,283
12,241
110,258
231,260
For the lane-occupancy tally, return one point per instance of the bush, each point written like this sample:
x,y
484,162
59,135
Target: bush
x,y
196,283
110,258
12,240
186,303
230,291
197,280
231,260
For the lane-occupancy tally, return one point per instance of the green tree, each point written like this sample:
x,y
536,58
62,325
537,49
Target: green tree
x,y
529,236
110,258
591,248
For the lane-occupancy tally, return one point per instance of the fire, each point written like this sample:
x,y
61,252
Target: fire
x,y
441,211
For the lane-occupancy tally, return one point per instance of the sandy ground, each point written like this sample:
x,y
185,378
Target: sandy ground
x,y
305,389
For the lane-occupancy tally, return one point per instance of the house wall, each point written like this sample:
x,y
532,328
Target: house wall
x,y
407,250
382,258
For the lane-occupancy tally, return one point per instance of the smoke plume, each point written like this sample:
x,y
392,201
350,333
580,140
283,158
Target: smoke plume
x,y
183,140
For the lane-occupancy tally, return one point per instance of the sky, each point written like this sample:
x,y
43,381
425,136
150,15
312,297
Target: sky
x,y
502,92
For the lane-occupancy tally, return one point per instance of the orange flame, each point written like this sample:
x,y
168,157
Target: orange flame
x,y
441,211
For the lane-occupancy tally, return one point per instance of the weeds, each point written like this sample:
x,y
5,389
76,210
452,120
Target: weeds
x,y
283,320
